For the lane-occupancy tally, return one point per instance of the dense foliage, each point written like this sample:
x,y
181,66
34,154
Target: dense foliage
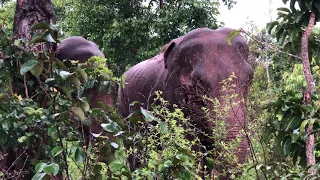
x,y
45,114
139,27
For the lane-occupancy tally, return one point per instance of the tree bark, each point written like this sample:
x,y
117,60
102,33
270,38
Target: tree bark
x,y
29,13
310,88
161,4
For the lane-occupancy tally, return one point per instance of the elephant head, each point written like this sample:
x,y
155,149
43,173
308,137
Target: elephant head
x,y
197,64
77,48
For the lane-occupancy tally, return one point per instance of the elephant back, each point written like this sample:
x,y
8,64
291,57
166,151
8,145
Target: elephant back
x,y
77,48
141,81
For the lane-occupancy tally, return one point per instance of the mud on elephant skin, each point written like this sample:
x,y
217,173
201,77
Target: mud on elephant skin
x,y
188,68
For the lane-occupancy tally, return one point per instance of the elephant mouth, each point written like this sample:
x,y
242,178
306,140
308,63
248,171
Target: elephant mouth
x,y
192,102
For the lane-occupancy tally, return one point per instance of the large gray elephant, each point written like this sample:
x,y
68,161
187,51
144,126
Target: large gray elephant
x,y
189,68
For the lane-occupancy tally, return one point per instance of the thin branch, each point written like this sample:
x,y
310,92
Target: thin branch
x,y
309,89
22,167
25,85
253,37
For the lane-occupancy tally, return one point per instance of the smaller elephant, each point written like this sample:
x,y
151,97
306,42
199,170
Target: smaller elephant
x,y
77,48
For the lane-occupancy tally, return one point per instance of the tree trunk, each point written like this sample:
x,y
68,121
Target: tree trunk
x,y
161,4
30,12
27,14
310,87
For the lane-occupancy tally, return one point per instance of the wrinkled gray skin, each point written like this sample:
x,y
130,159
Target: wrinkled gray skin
x,y
188,68
77,48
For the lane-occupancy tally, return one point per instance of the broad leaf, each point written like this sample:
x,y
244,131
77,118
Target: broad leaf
x,y
27,66
78,112
74,80
115,165
284,9
110,127
232,35
79,155
37,69
286,145
38,176
65,74
44,25
115,145
148,116
271,25
39,167
51,169
56,151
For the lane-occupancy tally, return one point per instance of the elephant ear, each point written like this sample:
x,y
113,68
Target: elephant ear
x,y
167,52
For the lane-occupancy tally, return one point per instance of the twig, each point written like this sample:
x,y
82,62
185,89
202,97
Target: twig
x,y
61,143
268,45
63,152
14,162
22,167
25,85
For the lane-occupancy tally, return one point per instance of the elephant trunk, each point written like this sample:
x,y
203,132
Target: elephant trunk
x,y
234,114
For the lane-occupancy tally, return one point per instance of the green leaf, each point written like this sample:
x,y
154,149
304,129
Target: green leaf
x,y
39,167
115,165
115,145
163,127
97,169
38,176
79,155
232,35
148,116
110,127
271,25
47,37
286,146
308,4
210,162
65,74
161,168
303,127
82,74
290,123
167,163
22,139
284,1
51,169
182,157
44,25
284,9
74,80
85,106
78,112
37,70
37,38
56,151
280,115
53,133
27,66
186,174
